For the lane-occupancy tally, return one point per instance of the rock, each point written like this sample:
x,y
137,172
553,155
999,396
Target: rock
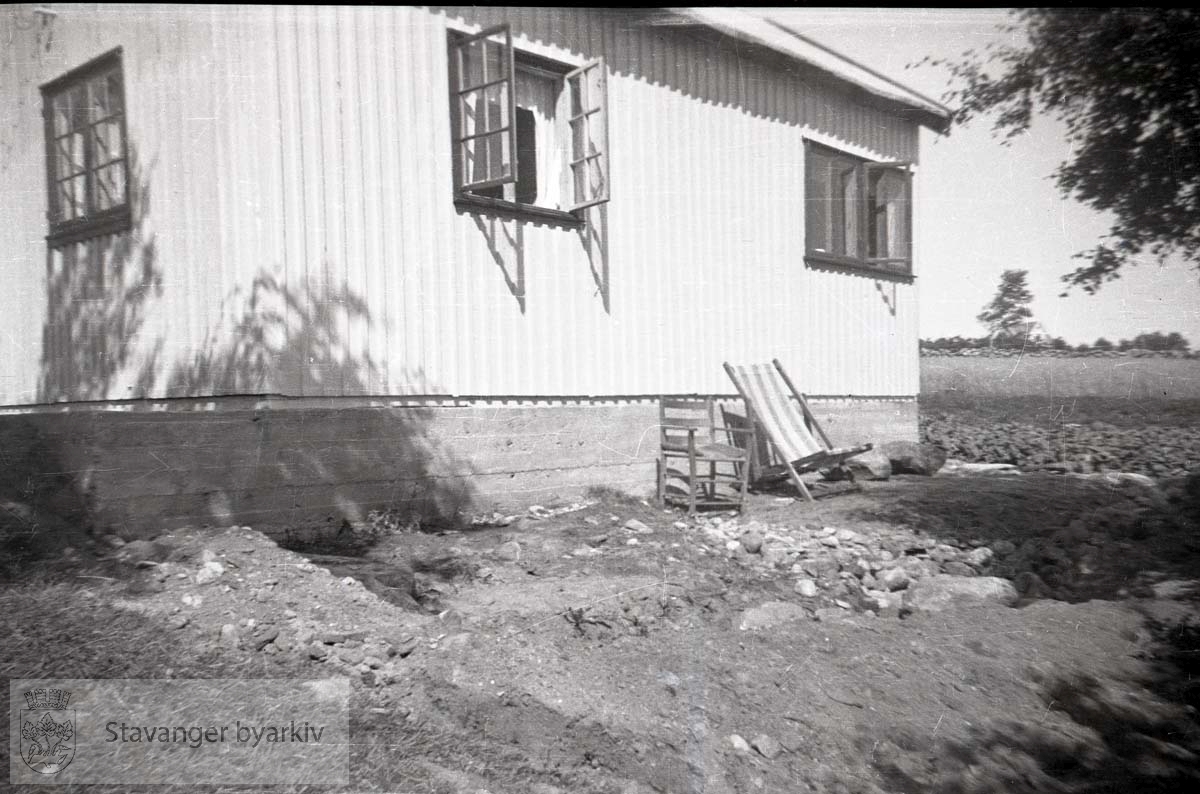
x,y
980,557
893,579
767,747
211,572
267,637
1174,588
230,637
772,613
179,621
909,457
937,593
829,614
806,588
350,656
955,467
403,646
870,465
739,744
509,552
752,542
958,568
831,541
633,525
1004,547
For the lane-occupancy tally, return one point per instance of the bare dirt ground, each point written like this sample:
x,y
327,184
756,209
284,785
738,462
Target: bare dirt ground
x,y
611,646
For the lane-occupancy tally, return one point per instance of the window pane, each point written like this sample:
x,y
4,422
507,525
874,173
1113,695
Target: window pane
x,y
888,214
110,186
594,90
468,117
106,142
497,104
114,92
475,160
817,200
493,52
70,155
849,232
97,99
596,178
578,138
79,109
576,88
71,198
62,114
472,55
579,178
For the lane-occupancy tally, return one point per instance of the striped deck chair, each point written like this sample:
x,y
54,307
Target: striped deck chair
x,y
788,423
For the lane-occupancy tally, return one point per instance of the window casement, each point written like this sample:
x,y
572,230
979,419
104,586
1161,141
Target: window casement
x,y
87,162
858,213
529,134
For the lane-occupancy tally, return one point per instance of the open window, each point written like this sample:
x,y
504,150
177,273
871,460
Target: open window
x,y
87,164
857,213
529,134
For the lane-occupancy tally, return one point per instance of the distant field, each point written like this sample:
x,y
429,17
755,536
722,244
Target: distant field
x,y
1062,378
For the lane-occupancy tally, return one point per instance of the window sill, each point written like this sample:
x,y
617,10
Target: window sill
x,y
114,221
465,202
891,272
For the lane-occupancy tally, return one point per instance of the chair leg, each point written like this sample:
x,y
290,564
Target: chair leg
x,y
691,485
661,482
745,484
799,483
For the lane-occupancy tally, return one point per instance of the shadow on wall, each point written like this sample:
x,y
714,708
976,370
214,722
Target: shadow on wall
x,y
298,466
97,294
139,472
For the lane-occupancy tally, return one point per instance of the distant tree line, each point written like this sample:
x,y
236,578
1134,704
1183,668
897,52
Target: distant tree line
x,y
1156,341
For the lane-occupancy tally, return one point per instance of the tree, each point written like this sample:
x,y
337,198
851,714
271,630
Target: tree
x,y
1123,81
1102,344
1008,313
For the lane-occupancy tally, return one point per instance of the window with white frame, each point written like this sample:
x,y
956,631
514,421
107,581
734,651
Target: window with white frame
x,y
87,164
526,131
858,213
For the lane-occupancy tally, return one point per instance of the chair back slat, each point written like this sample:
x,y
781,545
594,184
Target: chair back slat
x,y
780,416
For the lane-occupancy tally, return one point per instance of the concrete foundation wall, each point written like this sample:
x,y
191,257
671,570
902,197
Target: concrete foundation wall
x,y
273,464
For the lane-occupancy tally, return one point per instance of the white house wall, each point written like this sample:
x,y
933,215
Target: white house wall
x,y
306,150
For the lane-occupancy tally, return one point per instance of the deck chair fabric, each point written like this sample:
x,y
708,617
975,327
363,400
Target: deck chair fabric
x,y
787,422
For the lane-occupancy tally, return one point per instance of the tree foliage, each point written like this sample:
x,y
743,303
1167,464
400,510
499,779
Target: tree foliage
x,y
1008,313
1123,81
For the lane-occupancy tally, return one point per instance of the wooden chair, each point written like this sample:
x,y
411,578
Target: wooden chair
x,y
794,434
718,472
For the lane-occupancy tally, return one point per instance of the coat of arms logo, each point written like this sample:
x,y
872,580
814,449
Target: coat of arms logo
x,y
47,731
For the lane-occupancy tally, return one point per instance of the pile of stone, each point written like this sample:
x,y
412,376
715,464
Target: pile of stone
x,y
877,569
236,589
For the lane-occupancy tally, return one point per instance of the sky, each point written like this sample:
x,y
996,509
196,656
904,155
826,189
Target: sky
x,y
983,208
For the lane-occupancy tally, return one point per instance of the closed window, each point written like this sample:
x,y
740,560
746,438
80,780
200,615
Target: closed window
x,y
86,153
858,213
526,131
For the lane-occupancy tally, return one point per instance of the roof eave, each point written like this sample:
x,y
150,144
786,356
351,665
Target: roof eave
x,y
791,44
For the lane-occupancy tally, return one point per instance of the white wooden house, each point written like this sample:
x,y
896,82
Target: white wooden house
x,y
324,258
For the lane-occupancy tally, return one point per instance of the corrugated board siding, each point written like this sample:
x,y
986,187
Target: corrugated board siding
x,y
295,230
